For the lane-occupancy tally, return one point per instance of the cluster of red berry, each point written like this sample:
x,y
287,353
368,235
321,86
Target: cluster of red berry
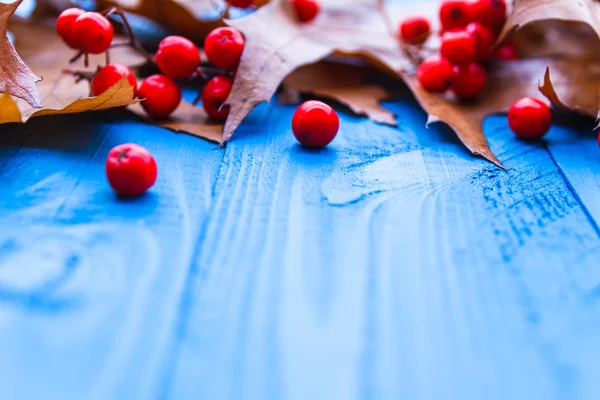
x,y
469,31
176,57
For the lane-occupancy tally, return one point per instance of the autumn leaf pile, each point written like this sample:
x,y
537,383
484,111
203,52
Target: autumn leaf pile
x,y
559,43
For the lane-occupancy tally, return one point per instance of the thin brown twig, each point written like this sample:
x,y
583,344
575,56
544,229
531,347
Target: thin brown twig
x,y
133,43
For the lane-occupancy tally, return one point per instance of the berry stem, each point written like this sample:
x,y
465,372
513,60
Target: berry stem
x,y
133,43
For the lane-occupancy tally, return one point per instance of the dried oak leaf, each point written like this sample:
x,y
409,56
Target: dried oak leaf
x,y
277,44
121,94
16,78
345,84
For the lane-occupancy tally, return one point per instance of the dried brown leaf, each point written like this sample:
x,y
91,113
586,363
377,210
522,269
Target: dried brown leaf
x,y
573,85
16,78
507,81
525,12
119,95
186,119
343,83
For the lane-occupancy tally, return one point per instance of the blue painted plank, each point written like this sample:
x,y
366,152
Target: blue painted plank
x,y
90,284
389,265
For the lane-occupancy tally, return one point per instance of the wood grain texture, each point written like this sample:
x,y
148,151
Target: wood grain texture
x,y
391,265
90,284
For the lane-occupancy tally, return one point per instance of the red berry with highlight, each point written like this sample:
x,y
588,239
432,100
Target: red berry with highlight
x,y
224,47
240,3
506,52
529,118
415,30
455,14
468,81
214,95
490,13
93,32
64,26
160,95
130,169
109,76
459,47
315,124
484,40
435,74
306,10
177,57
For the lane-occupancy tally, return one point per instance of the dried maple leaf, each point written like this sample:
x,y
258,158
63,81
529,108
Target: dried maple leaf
x,y
119,95
16,78
276,45
343,83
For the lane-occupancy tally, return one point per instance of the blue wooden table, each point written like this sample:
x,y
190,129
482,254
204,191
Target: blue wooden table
x,y
390,265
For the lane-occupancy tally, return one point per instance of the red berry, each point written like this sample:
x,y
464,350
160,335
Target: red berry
x,y
224,47
491,13
506,52
64,26
459,47
468,81
161,95
215,93
484,40
415,30
130,169
109,76
240,3
435,74
177,57
306,10
93,32
455,14
529,118
315,124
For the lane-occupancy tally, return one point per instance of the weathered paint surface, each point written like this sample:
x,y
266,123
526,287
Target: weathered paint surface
x,y
390,265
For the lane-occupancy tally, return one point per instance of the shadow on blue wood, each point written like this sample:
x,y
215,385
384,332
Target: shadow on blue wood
x,y
390,265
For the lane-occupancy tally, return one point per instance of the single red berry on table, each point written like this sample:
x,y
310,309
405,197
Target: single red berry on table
x,y
109,76
435,74
468,81
224,47
306,10
455,14
93,32
240,3
459,47
64,26
484,40
529,118
161,95
315,124
506,52
130,169
490,13
177,57
214,94
415,30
